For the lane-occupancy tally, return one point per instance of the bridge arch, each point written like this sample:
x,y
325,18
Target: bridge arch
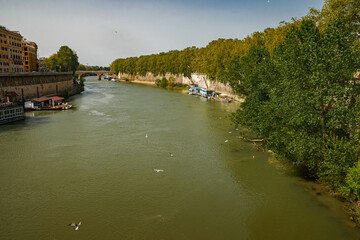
x,y
98,73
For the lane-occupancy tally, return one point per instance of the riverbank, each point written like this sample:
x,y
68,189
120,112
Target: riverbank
x,y
152,83
323,192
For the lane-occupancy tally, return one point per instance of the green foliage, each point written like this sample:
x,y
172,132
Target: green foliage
x,y
351,188
82,67
304,100
65,60
163,83
213,60
171,82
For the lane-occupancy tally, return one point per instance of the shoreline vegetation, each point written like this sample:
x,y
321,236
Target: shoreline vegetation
x,y
301,86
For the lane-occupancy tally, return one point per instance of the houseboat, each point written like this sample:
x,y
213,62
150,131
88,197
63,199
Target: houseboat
x,y
206,92
11,109
47,103
194,90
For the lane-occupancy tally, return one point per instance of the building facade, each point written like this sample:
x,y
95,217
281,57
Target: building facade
x,y
41,65
30,56
4,50
15,51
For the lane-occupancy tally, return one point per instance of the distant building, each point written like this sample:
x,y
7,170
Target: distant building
x,y
30,56
11,51
41,65
15,52
4,50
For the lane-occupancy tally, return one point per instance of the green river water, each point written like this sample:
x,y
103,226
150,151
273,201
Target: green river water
x,y
93,164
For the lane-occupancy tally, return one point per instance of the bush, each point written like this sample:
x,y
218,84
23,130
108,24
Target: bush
x,y
351,188
172,82
161,83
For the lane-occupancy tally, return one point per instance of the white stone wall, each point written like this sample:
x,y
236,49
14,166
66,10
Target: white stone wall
x,y
197,78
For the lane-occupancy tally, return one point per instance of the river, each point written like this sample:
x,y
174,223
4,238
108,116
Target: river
x,y
94,164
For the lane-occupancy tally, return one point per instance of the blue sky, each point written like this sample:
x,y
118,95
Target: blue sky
x,y
101,31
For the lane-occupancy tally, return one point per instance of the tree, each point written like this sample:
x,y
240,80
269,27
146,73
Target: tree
x,y
81,67
65,60
305,100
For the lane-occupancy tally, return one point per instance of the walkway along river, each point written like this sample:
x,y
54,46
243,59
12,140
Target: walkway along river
x,y
93,164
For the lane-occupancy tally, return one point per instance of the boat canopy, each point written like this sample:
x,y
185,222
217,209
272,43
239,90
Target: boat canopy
x,y
41,99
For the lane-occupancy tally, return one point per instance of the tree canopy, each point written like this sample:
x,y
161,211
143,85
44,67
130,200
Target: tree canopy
x,y
65,60
304,101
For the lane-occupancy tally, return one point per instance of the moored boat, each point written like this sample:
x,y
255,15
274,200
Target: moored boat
x,y
47,103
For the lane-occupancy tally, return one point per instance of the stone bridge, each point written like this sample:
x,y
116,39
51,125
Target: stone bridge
x,y
98,73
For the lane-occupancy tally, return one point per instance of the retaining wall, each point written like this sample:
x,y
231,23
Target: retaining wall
x,y
197,78
34,84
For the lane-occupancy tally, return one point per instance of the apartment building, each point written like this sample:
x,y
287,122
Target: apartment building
x,y
30,56
4,51
15,51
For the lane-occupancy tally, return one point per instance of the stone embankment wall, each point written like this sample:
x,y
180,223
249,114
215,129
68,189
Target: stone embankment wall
x,y
199,79
149,77
35,84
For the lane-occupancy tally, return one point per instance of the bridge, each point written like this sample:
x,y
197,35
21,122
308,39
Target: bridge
x,y
98,73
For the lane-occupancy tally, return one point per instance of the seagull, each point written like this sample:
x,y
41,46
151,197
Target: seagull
x,y
226,141
229,132
171,155
146,136
253,156
75,225
158,170
237,129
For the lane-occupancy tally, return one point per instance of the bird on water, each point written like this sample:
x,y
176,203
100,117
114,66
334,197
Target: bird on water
x,y
75,225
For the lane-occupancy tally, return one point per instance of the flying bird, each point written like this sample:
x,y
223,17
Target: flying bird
x,y
75,225
158,170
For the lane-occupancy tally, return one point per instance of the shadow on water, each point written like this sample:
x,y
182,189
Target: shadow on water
x,y
28,122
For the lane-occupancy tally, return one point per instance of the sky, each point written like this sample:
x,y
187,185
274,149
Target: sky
x,y
101,31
